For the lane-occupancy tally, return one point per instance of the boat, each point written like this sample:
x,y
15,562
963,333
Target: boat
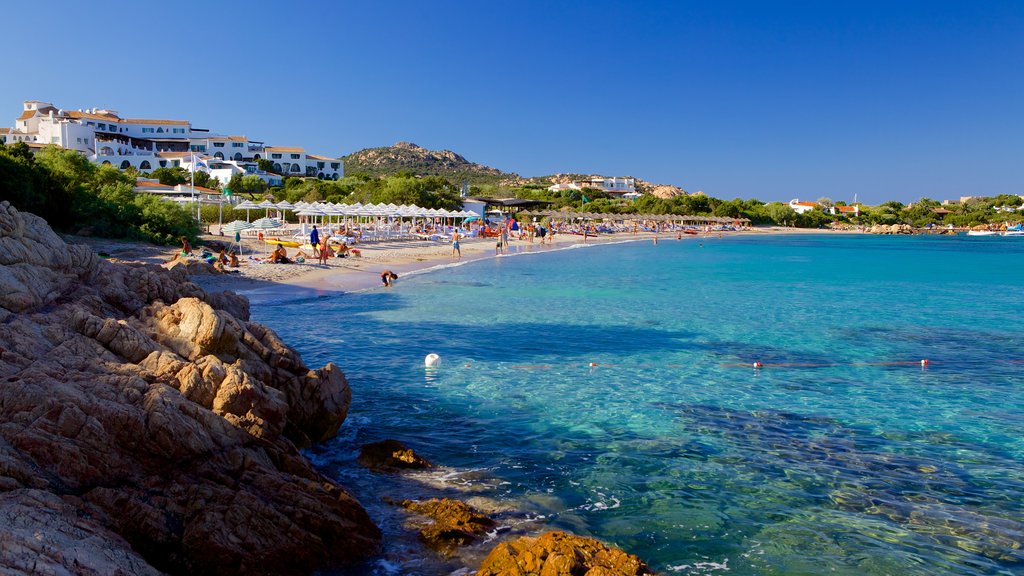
x,y
982,233
285,243
1014,231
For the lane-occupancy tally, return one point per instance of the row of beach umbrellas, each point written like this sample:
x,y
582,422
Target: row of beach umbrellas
x,y
357,209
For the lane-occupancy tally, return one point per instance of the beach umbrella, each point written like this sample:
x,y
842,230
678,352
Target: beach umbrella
x,y
236,228
246,205
266,224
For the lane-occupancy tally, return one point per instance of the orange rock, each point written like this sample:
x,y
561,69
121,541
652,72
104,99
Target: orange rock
x,y
560,554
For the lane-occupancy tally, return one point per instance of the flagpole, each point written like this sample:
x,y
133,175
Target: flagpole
x,y
192,182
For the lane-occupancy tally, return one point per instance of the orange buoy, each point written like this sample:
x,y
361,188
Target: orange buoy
x,y
593,364
758,365
924,362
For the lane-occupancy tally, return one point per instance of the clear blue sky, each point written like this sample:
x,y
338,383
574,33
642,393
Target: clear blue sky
x,y
774,100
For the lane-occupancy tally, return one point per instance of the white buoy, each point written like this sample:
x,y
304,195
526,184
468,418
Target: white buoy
x,y
432,360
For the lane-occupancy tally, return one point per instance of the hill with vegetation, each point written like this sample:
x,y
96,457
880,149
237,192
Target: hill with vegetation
x,y
406,157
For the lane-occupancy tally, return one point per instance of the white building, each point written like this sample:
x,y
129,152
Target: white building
x,y
324,168
147,144
563,187
615,186
237,148
802,207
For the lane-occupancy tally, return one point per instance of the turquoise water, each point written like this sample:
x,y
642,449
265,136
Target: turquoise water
x,y
841,455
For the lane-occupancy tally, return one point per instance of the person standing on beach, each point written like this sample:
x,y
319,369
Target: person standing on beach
x,y
325,251
314,241
456,252
504,239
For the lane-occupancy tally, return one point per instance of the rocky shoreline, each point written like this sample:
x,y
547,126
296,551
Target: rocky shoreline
x,y
147,426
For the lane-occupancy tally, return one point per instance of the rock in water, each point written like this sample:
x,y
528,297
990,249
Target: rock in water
x,y
148,426
560,554
391,454
453,523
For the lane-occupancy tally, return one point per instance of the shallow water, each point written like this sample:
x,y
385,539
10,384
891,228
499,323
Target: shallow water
x,y
842,454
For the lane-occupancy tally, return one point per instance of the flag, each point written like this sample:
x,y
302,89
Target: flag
x,y
199,164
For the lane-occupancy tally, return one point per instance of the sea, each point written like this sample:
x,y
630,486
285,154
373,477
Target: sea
x,y
788,404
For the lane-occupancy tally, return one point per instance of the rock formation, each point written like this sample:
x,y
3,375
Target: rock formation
x,y
891,229
453,523
560,554
389,455
147,426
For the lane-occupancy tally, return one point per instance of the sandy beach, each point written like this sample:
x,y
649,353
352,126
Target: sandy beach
x,y
261,281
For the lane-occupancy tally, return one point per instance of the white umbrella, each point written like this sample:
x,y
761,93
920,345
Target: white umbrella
x,y
236,227
246,205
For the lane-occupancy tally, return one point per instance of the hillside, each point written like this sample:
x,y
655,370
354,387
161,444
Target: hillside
x,y
406,156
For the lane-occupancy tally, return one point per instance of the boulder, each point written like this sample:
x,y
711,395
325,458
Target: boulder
x,y
453,523
147,426
560,554
389,455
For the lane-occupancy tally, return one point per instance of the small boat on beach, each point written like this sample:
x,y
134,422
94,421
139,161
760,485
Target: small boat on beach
x,y
285,243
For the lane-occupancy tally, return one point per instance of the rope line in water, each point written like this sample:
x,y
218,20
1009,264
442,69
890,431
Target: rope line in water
x,y
925,363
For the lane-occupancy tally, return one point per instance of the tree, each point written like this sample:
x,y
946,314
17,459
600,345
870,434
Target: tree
x,y
205,180
250,184
170,176
265,165
825,203
781,214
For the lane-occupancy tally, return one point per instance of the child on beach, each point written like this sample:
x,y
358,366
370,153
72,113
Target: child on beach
x,y
388,277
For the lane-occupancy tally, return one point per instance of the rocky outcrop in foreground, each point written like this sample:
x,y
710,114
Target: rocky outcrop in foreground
x,y
560,554
148,426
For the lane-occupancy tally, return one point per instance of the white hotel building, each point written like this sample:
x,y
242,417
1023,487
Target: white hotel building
x,y
615,186
105,137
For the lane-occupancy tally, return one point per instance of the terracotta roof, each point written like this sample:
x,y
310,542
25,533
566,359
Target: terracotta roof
x,y
284,149
229,138
173,154
5,130
318,157
151,185
90,116
150,121
27,114
203,190
847,208
811,204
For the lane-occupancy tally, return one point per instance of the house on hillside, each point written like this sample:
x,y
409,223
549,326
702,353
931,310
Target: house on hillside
x,y
613,186
802,207
848,211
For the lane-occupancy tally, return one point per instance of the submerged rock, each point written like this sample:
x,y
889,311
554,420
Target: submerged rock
x,y
454,523
142,417
557,554
390,454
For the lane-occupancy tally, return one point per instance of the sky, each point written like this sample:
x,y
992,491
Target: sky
x,y
885,100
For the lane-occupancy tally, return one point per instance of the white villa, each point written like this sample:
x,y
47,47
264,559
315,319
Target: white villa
x,y
618,186
802,207
104,137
